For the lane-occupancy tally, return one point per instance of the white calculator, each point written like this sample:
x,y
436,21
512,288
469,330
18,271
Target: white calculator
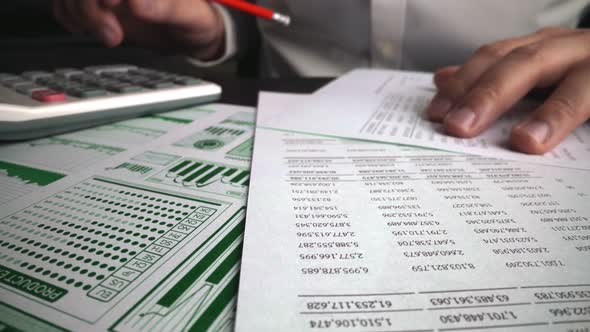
x,y
40,103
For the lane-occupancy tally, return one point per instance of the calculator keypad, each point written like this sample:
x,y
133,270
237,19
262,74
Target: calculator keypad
x,y
48,96
90,82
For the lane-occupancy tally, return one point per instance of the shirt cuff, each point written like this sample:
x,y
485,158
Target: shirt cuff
x,y
231,46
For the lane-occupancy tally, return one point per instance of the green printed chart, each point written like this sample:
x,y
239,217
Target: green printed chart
x,y
245,119
18,180
186,114
95,241
205,176
244,150
155,158
212,138
169,117
60,153
134,168
136,131
201,294
15,320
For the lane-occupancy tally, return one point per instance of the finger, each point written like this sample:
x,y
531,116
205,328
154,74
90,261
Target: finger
x,y
455,86
443,74
510,79
61,15
439,106
100,22
566,109
488,55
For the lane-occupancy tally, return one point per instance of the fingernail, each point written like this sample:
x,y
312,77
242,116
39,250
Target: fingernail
x,y
462,119
438,108
538,130
107,34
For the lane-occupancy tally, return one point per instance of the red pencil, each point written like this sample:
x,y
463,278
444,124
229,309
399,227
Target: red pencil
x,y
256,10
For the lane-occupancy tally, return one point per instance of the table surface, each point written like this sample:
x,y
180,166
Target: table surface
x,y
20,55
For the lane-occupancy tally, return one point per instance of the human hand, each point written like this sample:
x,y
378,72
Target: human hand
x,y
472,96
189,26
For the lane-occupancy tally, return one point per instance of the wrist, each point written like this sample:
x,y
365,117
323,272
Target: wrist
x,y
214,46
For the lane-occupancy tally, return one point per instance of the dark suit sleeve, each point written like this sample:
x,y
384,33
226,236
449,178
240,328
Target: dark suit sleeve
x,y
585,18
248,42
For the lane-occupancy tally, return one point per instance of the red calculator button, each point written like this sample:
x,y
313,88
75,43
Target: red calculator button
x,y
48,96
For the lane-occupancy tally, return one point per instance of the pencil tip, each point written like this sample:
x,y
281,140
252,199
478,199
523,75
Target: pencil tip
x,y
283,19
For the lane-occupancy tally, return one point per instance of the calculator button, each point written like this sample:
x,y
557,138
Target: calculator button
x,y
28,89
76,76
186,80
114,75
105,82
67,72
13,83
63,85
164,77
84,78
48,95
36,75
76,92
4,76
158,85
124,88
54,80
142,71
86,93
93,93
138,80
44,79
7,80
159,75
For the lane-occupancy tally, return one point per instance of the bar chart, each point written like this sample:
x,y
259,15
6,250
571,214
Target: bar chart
x,y
18,180
134,168
220,131
204,175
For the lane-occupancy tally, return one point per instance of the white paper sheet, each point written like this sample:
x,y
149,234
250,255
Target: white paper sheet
x,y
147,239
346,235
387,106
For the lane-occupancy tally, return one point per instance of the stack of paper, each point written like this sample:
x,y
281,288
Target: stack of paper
x,y
347,234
